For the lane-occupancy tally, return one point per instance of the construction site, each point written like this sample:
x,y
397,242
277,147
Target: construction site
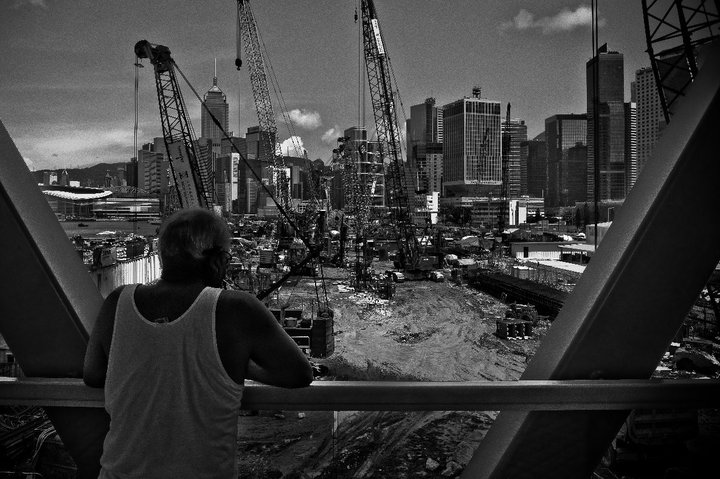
x,y
381,291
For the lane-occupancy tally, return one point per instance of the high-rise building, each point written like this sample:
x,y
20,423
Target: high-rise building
x,y
472,147
650,118
424,144
631,162
153,170
215,102
610,128
533,160
131,172
258,144
432,172
513,133
566,136
368,158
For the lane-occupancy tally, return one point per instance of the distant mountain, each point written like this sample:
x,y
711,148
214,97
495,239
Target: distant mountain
x,y
88,176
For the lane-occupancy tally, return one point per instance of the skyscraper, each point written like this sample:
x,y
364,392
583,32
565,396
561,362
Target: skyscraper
x,y
610,127
631,163
566,136
533,155
650,119
472,147
513,133
214,101
424,144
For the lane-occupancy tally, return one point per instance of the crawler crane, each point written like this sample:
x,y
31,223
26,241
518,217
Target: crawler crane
x,y
191,170
409,258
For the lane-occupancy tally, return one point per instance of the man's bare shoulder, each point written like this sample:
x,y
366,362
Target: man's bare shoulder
x,y
242,307
236,298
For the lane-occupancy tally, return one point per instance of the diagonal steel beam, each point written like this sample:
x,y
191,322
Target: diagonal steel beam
x,y
631,300
48,301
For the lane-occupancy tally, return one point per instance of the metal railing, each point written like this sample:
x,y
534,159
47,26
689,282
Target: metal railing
x,y
528,395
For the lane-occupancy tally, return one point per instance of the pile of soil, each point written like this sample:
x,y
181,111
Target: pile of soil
x,y
427,332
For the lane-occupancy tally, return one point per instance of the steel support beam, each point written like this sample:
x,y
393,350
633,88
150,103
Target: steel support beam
x,y
48,301
629,303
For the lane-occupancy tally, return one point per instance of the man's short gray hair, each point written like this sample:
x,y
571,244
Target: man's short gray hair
x,y
188,234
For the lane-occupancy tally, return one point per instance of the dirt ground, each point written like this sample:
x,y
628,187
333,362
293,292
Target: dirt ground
x,y
427,331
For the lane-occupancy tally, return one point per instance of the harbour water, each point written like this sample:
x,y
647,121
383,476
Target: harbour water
x,y
94,228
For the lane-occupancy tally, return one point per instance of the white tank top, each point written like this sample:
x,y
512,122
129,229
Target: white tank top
x,y
173,407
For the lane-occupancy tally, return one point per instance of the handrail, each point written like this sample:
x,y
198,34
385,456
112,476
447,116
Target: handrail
x,y
526,395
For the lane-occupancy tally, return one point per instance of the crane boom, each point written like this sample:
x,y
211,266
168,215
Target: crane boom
x,y
247,32
377,65
191,170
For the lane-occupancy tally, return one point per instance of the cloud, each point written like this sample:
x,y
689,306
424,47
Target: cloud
x,y
309,120
31,3
293,146
563,21
330,136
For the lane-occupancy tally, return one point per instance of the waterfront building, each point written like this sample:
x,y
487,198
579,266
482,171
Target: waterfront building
x,y
610,127
73,202
472,147
566,136
129,208
424,144
513,134
650,118
533,167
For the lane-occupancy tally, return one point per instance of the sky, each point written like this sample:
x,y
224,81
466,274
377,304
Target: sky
x,y
67,74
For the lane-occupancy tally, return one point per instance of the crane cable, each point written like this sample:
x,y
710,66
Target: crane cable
x,y
279,96
312,251
138,66
271,74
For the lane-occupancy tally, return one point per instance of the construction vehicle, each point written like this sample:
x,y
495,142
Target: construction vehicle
x,y
190,167
409,258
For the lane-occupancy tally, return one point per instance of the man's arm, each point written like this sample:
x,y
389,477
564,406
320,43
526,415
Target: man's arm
x,y
274,359
98,349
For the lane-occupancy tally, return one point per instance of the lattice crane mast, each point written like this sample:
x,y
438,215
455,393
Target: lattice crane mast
x,y
378,69
191,170
248,35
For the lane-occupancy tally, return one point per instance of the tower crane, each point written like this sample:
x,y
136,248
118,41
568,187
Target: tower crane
x,y
378,69
191,170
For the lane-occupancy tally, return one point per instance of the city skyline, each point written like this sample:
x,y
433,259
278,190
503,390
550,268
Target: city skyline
x,y
67,91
